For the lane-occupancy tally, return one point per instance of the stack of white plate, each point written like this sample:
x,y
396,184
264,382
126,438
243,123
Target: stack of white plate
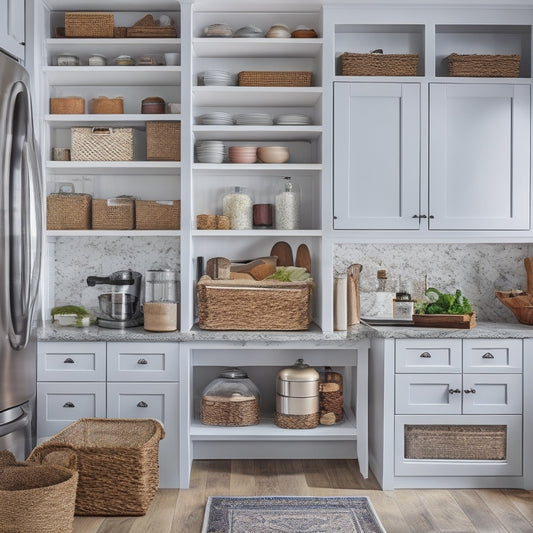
x,y
216,118
249,31
219,77
279,31
254,119
218,30
293,119
210,151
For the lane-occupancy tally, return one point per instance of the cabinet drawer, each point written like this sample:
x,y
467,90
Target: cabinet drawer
x,y
71,361
491,355
142,361
423,355
428,394
59,404
492,394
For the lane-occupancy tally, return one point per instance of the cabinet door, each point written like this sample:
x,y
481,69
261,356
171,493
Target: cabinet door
x,y
479,157
492,356
492,394
12,31
376,155
428,355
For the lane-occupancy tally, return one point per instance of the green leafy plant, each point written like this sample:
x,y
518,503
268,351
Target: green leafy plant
x,y
443,303
290,273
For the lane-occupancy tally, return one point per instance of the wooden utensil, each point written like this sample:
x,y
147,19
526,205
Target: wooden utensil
x,y
303,257
259,269
218,268
354,310
283,251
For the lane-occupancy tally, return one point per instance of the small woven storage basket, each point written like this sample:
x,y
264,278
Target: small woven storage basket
x,y
68,105
102,144
36,498
483,443
353,64
212,222
251,78
157,214
484,66
118,463
163,141
89,24
330,394
296,421
113,213
221,411
149,27
106,106
254,305
68,211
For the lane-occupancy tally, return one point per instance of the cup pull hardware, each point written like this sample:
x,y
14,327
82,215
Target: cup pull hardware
x,y
142,404
454,391
68,360
69,405
470,391
425,355
142,361
487,355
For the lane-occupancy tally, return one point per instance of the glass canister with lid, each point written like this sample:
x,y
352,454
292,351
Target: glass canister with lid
x,y
238,206
232,399
161,300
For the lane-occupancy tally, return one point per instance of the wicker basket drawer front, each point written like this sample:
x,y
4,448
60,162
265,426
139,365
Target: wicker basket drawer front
x,y
423,355
488,355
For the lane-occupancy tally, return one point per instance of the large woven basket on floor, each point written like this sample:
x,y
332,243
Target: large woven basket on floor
x,y
484,65
353,64
118,463
254,305
36,498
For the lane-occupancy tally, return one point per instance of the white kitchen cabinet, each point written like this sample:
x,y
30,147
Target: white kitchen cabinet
x,y
12,27
479,156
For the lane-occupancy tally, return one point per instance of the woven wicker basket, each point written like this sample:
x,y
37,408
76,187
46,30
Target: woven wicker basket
x,y
484,66
254,305
102,144
157,215
36,498
68,105
353,64
163,141
212,222
331,397
296,421
149,27
251,78
117,463
68,211
106,106
89,24
484,443
219,411
120,32
113,213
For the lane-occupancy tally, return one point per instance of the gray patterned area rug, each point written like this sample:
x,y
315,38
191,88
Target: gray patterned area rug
x,y
290,514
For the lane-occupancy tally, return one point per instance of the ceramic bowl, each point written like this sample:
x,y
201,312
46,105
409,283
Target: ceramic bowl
x,y
243,154
273,154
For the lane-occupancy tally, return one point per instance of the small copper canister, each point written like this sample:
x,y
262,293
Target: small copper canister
x,y
297,401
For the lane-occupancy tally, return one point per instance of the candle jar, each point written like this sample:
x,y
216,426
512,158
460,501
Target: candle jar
x,y
262,215
238,206
287,205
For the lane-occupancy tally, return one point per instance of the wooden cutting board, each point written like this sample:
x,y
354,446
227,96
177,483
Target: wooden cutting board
x,y
303,257
283,251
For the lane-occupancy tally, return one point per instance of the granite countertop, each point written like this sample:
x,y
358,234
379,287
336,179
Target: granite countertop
x,y
487,330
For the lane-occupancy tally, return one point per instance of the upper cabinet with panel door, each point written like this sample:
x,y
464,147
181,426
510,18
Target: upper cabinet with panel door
x,y
12,27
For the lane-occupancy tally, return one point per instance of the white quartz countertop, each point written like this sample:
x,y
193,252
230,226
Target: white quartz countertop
x,y
488,330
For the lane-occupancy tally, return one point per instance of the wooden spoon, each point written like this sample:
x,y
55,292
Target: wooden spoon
x,y
259,268
283,251
303,257
218,268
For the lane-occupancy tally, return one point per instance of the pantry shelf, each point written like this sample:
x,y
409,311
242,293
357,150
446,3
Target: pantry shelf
x,y
155,168
110,120
258,233
113,75
258,133
113,233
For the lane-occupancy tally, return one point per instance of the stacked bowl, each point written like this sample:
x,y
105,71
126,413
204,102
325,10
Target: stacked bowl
x,y
210,151
278,31
220,29
219,77
273,154
243,154
216,118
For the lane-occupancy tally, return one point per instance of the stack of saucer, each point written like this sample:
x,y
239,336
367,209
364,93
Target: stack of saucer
x,y
293,119
219,77
218,30
210,151
253,119
216,118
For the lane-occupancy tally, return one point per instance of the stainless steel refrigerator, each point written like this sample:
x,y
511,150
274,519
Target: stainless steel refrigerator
x,y
20,259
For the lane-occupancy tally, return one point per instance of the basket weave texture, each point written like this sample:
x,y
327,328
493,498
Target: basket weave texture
x,y
102,144
89,24
68,105
330,394
36,498
254,305
455,442
104,106
253,78
68,211
149,27
484,66
113,213
219,411
117,463
157,215
212,222
353,64
163,141
296,421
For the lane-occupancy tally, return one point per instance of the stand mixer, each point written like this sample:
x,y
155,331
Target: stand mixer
x,y
120,308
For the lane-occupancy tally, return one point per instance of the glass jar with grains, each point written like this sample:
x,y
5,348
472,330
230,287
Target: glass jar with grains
x,y
238,206
287,205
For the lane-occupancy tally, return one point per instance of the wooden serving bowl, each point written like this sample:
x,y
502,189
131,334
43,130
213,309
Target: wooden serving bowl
x,y
521,305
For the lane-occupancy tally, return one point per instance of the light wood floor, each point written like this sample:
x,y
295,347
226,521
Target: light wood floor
x,y
420,511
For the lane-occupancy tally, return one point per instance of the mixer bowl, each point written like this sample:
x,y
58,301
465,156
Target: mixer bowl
x,y
119,306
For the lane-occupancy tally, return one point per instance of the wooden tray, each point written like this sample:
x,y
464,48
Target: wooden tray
x,y
467,321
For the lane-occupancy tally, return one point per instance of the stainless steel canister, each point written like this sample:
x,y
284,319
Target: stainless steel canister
x,y
297,390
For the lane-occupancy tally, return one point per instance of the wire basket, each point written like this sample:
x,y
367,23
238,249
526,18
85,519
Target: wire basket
x,y
484,66
157,214
68,211
252,78
102,144
163,141
117,463
113,213
89,24
353,64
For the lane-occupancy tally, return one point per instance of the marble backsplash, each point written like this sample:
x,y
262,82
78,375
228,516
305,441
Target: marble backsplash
x,y
476,269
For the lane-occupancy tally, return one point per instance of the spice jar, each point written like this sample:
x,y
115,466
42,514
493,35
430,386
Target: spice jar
x,y
287,205
238,206
230,400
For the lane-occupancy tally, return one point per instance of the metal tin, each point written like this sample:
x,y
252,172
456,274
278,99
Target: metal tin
x,y
297,390
297,406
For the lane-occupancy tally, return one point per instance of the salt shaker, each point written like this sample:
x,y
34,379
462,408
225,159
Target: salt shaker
x,y
238,206
287,205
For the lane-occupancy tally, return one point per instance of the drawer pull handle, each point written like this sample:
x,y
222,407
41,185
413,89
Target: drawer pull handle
x,y
487,355
142,362
425,355
454,391
69,405
470,391
142,404
68,360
